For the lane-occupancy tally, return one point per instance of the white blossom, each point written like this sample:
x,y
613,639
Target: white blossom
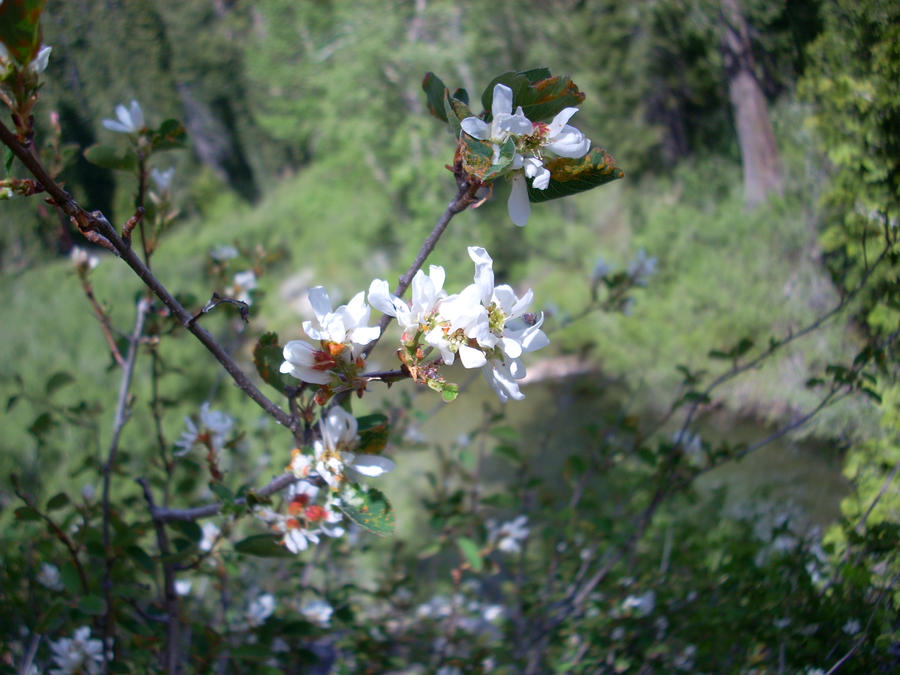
x,y
334,450
78,654
214,427
240,288
163,179
318,612
82,259
49,577
210,536
260,609
427,293
643,604
532,140
183,586
130,120
509,536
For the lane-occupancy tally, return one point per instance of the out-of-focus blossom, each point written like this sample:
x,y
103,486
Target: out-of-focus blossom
x,y
130,120
260,609
318,612
509,536
78,654
213,429
49,577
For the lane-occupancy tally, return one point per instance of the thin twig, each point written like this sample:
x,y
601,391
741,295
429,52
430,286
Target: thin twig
x,y
275,485
170,597
121,417
96,224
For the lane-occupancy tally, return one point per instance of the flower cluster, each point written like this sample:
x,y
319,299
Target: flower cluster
x,y
341,333
531,140
304,520
486,325
78,654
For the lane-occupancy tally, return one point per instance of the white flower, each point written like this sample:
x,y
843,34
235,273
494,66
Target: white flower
x,y
334,450
183,586
642,604
82,259
641,268
260,609
163,179
531,140
240,288
224,252
216,426
345,325
39,64
49,577
79,654
131,119
851,627
210,536
318,612
427,292
306,363
509,535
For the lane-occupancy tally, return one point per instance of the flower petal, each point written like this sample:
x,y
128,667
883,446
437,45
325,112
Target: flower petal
x,y
518,206
476,127
372,465
502,100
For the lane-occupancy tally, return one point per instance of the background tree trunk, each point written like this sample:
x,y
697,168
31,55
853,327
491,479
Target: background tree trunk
x,y
759,154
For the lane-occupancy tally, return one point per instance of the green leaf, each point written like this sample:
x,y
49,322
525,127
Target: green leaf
x,y
92,604
268,356
110,158
435,91
541,95
171,135
141,558
368,508
188,528
20,28
477,157
27,513
41,425
222,492
57,501
373,433
49,616
58,379
263,546
471,553
571,176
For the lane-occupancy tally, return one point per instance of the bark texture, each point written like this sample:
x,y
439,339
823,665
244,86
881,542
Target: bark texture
x,y
759,153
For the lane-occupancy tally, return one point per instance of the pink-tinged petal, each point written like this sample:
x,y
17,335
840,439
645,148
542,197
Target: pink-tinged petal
x,y
372,465
562,118
471,357
518,206
476,127
502,101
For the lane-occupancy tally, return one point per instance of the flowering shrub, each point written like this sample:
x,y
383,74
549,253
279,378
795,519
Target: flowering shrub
x,y
185,576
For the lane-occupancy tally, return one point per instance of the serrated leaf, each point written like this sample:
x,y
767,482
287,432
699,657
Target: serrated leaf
x,y
434,89
109,157
58,379
368,508
571,176
171,135
20,28
263,546
373,433
471,553
477,156
541,95
268,356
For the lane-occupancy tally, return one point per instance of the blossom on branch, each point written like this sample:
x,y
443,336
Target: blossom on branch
x,y
213,429
130,120
532,141
335,459
78,654
342,335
